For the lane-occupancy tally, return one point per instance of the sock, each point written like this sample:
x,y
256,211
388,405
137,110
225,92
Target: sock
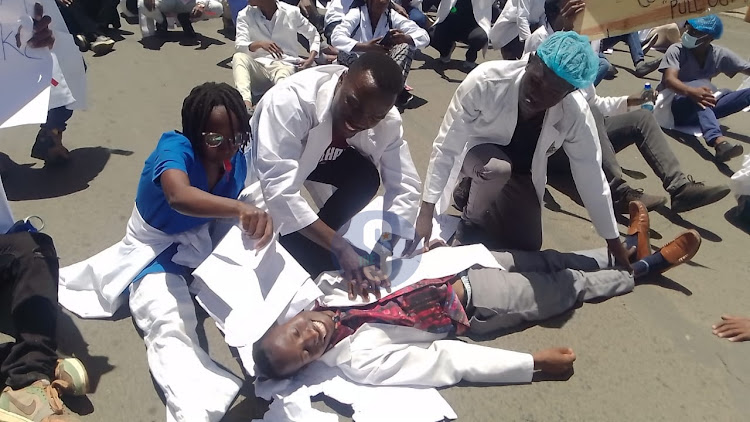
x,y
652,264
631,241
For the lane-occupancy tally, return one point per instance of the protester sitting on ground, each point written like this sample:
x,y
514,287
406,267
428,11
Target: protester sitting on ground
x,y
505,120
518,20
530,286
88,20
186,12
732,328
340,129
467,21
641,67
30,368
267,49
618,129
373,26
414,9
687,96
661,37
190,180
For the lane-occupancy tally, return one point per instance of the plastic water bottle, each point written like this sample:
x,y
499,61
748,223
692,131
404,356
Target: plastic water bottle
x,y
648,95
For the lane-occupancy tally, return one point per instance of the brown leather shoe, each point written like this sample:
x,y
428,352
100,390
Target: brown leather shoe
x,y
640,225
682,249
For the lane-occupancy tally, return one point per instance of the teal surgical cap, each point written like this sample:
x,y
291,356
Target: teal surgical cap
x,y
710,25
571,57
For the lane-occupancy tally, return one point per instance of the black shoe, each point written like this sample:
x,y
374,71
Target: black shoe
x,y
461,193
726,151
651,202
643,67
403,98
161,27
611,73
695,195
186,24
82,42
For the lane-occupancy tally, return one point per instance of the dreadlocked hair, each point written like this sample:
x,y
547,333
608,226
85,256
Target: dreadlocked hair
x,y
200,103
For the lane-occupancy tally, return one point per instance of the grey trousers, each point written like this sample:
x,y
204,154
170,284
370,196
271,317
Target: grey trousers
x,y
539,285
617,133
502,207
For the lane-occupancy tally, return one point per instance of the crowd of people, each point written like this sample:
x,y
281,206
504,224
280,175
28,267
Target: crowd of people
x,y
316,98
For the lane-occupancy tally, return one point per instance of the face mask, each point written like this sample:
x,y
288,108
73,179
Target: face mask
x,y
690,42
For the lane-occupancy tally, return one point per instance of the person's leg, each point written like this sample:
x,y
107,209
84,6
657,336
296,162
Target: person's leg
x,y
443,38
48,144
611,167
418,17
731,103
687,112
403,55
248,73
194,386
476,40
503,299
489,169
640,128
280,70
513,50
603,71
29,264
634,45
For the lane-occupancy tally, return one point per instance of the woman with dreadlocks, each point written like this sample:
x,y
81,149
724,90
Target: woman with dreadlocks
x,y
190,179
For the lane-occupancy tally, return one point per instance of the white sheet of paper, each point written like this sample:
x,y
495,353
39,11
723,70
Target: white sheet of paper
x,y
25,73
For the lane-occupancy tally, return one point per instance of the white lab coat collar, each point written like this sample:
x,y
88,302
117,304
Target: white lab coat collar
x,y
93,288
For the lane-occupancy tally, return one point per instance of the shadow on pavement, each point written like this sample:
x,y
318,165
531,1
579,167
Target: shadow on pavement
x,y
697,146
25,182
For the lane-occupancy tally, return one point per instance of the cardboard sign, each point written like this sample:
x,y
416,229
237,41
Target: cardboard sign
x,y
606,18
25,73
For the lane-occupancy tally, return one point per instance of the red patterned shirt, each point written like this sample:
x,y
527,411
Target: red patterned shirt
x,y
430,305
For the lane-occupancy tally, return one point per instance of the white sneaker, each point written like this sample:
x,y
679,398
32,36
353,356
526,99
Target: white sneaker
x,y
102,44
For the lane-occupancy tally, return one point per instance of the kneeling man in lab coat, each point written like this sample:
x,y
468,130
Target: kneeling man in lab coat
x,y
338,127
402,339
503,122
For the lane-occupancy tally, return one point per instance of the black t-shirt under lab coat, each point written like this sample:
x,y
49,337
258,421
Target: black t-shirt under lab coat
x,y
523,144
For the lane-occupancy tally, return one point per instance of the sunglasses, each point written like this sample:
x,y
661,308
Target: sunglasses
x,y
214,140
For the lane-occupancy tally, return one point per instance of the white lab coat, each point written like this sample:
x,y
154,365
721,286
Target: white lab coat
x,y
287,22
516,20
335,11
357,28
93,288
485,109
292,129
482,12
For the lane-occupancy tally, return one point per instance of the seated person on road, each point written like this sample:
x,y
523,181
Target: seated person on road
x,y
266,45
374,26
186,11
340,128
687,96
33,374
532,287
191,179
618,129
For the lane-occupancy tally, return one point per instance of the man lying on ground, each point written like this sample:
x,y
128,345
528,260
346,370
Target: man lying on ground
x,y
533,286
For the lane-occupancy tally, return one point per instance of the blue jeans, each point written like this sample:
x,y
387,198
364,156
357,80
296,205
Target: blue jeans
x,y
418,17
634,45
57,118
686,111
603,68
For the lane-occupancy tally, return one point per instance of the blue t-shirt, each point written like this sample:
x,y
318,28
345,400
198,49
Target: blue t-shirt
x,y
174,151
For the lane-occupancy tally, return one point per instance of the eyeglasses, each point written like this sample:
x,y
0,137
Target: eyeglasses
x,y
214,140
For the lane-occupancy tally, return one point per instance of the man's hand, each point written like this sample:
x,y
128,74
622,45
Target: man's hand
x,y
197,11
360,275
703,96
372,45
423,229
306,63
732,328
554,361
622,255
398,37
642,97
150,5
41,36
256,224
400,9
269,46
569,12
